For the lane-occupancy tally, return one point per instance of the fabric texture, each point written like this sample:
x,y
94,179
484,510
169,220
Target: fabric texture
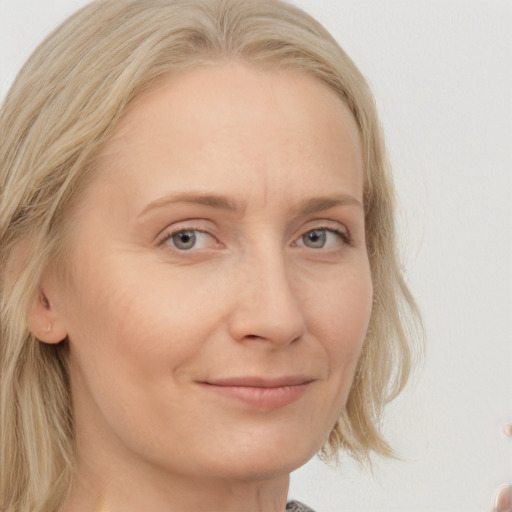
x,y
297,506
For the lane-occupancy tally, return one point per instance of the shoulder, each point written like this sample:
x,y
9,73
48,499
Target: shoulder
x,y
297,506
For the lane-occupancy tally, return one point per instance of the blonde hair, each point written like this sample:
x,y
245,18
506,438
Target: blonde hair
x,y
62,109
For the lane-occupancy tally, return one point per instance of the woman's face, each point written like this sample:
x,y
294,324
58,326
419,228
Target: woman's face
x,y
221,289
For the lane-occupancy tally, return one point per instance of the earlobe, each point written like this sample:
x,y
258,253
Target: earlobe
x,y
44,321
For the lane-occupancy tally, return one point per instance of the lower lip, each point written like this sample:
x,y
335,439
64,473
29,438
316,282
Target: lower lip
x,y
260,397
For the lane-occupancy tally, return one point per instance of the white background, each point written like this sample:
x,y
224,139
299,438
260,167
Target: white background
x,y
442,75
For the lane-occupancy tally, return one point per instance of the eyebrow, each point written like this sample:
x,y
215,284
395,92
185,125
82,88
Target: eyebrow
x,y
212,200
318,204
220,202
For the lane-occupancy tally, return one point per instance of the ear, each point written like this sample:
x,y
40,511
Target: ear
x,y
44,321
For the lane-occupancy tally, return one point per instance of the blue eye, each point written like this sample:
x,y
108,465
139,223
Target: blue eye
x,y
322,238
184,240
315,239
188,239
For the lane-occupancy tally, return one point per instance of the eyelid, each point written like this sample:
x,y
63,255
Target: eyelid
x,y
205,227
187,225
343,236
331,225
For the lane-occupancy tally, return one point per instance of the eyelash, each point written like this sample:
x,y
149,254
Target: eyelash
x,y
171,235
343,235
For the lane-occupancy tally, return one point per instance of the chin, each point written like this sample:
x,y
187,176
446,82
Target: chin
x,y
267,459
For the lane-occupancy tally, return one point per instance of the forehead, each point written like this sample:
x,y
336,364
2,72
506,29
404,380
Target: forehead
x,y
226,123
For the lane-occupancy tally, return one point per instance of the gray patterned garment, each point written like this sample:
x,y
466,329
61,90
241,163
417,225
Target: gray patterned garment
x,y
297,506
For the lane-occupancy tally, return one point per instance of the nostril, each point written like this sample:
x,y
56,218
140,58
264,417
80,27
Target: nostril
x,y
270,337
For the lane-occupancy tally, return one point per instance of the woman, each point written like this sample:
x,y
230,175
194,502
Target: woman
x,y
200,287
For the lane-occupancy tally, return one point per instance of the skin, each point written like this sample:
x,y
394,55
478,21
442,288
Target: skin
x,y
265,170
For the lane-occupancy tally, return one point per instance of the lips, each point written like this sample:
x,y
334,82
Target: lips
x,y
259,392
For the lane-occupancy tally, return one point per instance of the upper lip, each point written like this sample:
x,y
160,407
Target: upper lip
x,y
261,382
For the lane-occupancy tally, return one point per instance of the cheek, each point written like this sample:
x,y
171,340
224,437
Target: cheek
x,y
341,319
125,347
338,316
110,333
137,325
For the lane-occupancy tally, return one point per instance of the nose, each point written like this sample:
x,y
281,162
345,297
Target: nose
x,y
267,306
